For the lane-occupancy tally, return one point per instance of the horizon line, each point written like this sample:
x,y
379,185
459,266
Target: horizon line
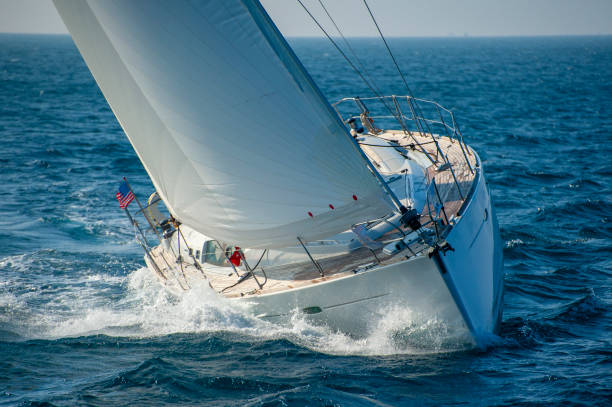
x,y
456,36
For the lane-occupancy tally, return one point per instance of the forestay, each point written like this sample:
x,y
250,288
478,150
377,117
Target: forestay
x,y
236,137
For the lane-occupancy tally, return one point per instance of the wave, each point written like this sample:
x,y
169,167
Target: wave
x,y
137,305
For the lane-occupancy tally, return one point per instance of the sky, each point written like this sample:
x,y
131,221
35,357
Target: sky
x,y
399,18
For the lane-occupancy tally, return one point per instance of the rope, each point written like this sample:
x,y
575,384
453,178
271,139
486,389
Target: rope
x,y
418,110
250,273
258,261
395,114
361,65
388,49
357,71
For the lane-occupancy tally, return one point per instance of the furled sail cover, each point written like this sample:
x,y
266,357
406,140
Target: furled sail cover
x,y
237,139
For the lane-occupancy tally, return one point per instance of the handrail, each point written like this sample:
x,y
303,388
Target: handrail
x,y
449,126
424,117
436,119
408,98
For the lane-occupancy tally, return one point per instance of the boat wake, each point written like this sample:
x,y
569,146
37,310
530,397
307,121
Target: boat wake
x,y
139,306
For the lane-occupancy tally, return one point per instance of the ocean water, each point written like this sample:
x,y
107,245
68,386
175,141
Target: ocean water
x,y
83,323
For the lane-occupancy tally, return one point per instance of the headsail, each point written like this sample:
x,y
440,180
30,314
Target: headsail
x,y
237,139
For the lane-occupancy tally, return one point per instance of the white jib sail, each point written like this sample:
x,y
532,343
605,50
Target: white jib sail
x,y
237,139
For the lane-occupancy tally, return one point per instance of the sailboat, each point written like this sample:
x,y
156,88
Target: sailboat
x,y
276,198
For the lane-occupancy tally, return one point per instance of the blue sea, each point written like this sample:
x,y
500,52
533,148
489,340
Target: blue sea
x,y
82,322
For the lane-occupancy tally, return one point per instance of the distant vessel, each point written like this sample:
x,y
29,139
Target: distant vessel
x,y
277,198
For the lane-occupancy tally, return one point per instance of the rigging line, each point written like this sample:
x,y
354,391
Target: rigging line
x,y
249,273
397,114
399,70
376,93
388,49
372,84
259,261
417,106
357,71
388,190
348,45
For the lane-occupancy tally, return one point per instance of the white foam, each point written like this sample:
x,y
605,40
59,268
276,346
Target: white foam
x,y
140,306
514,243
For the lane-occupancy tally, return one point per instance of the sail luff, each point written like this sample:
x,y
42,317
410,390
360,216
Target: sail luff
x,y
233,132
259,12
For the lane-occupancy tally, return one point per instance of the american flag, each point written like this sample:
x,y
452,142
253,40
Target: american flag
x,y
124,195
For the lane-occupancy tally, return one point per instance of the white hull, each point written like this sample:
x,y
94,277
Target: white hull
x,y
461,288
469,292
354,304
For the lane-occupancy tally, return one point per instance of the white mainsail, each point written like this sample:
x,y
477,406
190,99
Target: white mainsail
x,y
237,139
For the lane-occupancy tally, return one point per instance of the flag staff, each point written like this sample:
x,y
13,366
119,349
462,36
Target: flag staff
x,y
142,209
124,201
